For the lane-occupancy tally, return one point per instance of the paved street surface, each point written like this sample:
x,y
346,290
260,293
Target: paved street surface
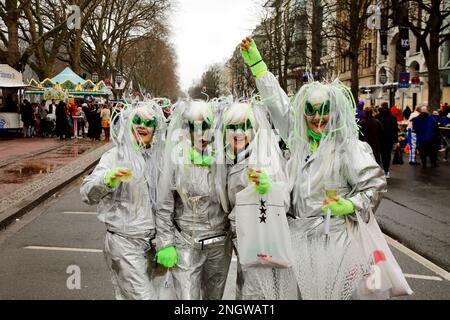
x,y
416,210
39,251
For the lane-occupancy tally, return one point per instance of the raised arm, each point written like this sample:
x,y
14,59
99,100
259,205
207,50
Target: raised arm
x,y
273,96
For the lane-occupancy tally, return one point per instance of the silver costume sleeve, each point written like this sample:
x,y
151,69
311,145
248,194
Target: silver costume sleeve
x,y
277,102
365,177
236,183
93,188
165,228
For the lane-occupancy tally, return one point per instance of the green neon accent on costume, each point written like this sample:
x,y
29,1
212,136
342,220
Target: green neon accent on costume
x,y
109,182
167,256
201,160
253,58
340,208
199,126
264,183
146,122
323,109
314,135
315,139
244,126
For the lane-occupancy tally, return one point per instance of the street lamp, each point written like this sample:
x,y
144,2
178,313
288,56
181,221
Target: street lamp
x,y
119,78
94,77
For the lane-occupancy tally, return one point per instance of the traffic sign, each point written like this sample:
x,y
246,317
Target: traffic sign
x,y
403,80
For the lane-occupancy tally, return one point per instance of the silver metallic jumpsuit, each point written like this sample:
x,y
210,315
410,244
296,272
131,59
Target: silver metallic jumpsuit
x,y
129,220
255,283
191,218
360,180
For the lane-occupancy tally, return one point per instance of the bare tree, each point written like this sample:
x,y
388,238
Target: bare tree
x,y
242,81
209,84
348,28
429,21
150,63
114,27
33,28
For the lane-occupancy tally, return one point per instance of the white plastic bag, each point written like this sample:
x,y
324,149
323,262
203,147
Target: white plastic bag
x,y
166,289
384,276
262,229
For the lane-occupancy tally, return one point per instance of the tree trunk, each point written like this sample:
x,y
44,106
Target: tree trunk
x,y
434,78
77,52
354,76
315,35
11,21
355,43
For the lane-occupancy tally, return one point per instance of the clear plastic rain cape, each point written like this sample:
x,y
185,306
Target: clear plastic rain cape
x,y
145,162
263,241
329,264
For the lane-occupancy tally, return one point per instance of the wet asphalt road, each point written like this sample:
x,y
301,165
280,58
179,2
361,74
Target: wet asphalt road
x,y
35,252
416,210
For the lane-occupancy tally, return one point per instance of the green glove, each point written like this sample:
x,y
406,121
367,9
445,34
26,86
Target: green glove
x,y
167,256
111,182
201,160
253,58
339,208
264,182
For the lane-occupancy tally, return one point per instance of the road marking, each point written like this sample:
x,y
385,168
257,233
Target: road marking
x,y
426,263
419,276
78,212
63,249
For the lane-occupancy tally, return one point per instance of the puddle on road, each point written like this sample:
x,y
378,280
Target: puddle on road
x,y
26,170
22,173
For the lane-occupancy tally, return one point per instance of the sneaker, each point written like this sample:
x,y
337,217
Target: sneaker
x,y
387,175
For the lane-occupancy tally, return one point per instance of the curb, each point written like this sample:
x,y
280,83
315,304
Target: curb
x,y
20,208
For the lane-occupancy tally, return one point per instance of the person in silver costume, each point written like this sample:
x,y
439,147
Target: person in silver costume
x,y
124,185
332,176
252,156
193,229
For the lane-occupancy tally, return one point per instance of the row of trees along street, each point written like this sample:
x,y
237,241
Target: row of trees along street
x,y
295,36
126,36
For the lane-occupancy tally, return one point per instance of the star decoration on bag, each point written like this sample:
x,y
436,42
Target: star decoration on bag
x,y
262,209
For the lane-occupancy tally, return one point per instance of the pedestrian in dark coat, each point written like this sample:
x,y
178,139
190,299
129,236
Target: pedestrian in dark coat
x,y
62,125
27,118
406,113
372,133
426,128
390,136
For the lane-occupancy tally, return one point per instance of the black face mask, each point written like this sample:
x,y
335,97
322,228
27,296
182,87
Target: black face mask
x,y
423,114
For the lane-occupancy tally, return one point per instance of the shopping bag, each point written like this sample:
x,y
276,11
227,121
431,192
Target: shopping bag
x,y
262,229
384,277
165,287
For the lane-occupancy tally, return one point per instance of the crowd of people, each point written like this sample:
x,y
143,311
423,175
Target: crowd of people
x,y
57,119
419,133
187,189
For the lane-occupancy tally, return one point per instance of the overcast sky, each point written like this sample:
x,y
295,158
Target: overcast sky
x,y
207,31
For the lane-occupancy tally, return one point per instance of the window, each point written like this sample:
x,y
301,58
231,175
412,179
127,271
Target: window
x,y
367,55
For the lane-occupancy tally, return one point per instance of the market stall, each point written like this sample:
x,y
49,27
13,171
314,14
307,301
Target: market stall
x,y
73,84
10,98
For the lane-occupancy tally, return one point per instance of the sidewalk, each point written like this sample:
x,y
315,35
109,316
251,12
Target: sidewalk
x,y
31,170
